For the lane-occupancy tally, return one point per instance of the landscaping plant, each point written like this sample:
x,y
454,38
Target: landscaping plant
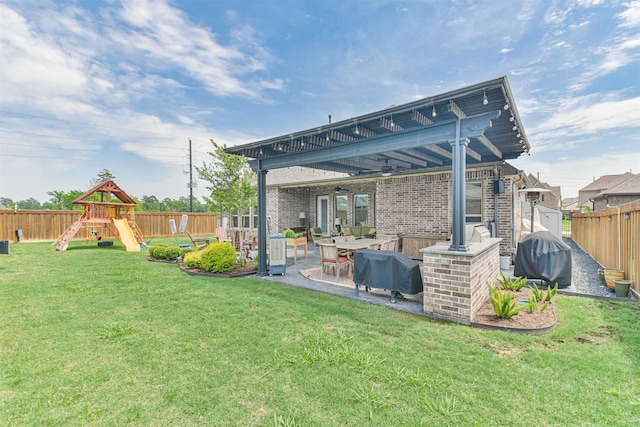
x,y
193,259
218,257
504,302
510,283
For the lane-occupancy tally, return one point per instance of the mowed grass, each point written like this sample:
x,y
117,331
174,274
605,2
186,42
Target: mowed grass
x,y
100,336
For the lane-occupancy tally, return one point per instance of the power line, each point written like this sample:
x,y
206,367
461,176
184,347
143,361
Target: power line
x,y
82,159
86,139
89,124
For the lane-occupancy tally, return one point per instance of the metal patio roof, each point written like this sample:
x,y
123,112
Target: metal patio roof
x,y
468,127
405,138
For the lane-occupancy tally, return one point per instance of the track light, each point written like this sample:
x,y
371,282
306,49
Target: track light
x,y
356,130
511,119
506,106
485,101
433,110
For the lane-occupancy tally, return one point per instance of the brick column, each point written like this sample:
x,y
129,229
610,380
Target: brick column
x,y
455,283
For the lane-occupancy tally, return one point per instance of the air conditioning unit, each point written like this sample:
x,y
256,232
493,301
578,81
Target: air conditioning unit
x,y
277,254
5,247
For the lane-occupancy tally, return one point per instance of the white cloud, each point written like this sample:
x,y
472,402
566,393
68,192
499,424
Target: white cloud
x,y
34,67
631,16
166,35
586,115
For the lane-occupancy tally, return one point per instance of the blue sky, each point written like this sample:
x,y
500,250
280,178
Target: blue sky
x,y
123,85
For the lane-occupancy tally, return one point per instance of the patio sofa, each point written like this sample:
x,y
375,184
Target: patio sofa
x,y
359,231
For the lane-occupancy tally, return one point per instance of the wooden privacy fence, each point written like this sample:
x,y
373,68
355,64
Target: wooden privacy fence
x,y
612,237
49,225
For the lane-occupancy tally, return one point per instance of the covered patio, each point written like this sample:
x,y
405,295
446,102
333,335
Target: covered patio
x,y
477,125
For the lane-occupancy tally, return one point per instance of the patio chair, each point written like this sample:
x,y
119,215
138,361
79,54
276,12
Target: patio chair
x,y
317,235
393,244
196,241
331,259
221,235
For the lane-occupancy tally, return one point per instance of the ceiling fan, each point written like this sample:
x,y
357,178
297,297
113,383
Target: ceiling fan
x,y
386,169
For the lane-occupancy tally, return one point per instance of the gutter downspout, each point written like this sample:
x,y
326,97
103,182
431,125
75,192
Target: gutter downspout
x,y
513,215
619,240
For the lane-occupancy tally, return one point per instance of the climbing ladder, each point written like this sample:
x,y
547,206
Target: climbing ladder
x,y
68,235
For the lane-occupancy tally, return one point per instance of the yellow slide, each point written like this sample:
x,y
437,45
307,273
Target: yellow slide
x,y
126,235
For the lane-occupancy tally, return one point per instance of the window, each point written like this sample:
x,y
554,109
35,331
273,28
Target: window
x,y
234,221
360,209
255,217
341,208
473,201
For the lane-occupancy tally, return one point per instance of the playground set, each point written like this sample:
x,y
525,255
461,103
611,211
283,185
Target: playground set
x,y
113,210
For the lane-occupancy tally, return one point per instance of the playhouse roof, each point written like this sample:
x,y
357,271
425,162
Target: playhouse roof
x,y
107,190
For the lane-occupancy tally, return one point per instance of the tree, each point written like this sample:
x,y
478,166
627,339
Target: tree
x,y
29,204
103,176
231,182
64,201
7,202
150,204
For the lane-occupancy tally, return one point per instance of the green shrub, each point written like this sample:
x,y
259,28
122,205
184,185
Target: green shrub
x,y
289,233
509,283
185,251
218,257
193,259
172,253
504,303
158,251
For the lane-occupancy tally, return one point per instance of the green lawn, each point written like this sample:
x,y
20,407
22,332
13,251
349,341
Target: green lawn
x,y
100,336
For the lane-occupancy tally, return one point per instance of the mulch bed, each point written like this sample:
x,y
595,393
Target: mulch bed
x,y
524,321
238,271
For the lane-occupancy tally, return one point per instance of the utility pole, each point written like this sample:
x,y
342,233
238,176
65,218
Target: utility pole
x,y
190,178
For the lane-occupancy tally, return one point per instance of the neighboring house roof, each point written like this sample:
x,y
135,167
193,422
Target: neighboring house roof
x,y
555,190
570,204
606,182
629,187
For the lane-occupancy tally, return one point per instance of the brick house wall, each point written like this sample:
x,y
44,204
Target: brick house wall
x,y
415,205
601,202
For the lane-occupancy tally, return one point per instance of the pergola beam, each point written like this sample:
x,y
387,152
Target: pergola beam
x,y
471,127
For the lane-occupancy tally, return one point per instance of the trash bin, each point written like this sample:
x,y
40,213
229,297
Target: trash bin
x,y
4,247
277,254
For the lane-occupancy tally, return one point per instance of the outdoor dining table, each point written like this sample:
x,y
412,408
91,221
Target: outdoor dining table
x,y
358,244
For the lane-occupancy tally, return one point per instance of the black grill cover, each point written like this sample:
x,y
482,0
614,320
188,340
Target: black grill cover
x,y
541,255
387,270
